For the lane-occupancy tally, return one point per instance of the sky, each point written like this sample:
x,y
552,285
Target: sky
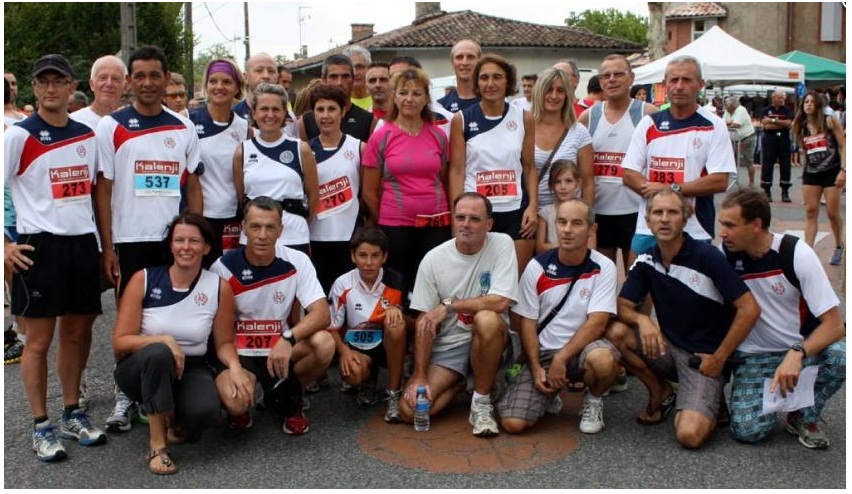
x,y
274,27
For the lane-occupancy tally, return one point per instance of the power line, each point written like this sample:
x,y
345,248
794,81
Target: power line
x,y
213,19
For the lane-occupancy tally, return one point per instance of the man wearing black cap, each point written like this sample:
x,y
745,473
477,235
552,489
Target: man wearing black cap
x,y
149,167
50,167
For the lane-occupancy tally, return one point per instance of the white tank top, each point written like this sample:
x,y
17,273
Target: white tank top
x,y
493,165
339,186
610,142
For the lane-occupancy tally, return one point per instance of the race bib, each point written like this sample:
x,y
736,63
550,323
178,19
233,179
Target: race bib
x,y
497,185
70,185
432,220
256,338
157,178
666,170
231,236
335,197
608,166
364,339
816,144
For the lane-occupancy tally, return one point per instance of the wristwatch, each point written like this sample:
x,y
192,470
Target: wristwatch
x,y
799,347
448,303
289,336
676,188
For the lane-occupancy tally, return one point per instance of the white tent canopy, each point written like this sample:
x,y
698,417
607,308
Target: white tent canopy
x,y
725,59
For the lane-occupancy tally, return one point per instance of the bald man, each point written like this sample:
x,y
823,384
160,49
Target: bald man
x,y
573,72
463,56
775,144
260,67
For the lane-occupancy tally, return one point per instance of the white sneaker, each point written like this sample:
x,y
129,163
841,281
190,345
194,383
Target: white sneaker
x,y
482,417
122,414
592,415
46,443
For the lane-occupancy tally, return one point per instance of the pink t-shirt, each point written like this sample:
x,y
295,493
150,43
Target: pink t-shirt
x,y
412,192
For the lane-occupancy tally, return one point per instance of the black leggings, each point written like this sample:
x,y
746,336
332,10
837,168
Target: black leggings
x,y
408,245
148,376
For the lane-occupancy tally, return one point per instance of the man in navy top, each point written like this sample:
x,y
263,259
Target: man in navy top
x,y
704,311
777,120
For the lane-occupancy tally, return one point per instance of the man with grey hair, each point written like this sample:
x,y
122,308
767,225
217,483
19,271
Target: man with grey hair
x,y
775,145
77,101
742,135
684,148
107,82
361,60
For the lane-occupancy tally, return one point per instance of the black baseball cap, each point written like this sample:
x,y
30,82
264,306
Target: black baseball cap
x,y
56,63
286,395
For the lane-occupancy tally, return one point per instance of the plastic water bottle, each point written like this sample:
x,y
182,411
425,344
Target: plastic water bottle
x,y
421,411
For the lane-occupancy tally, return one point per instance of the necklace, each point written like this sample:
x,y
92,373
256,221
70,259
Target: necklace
x,y
410,132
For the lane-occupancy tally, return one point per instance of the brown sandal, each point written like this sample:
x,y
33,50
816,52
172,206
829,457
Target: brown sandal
x,y
169,465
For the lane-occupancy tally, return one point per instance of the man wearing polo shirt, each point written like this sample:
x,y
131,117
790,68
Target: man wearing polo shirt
x,y
704,311
684,147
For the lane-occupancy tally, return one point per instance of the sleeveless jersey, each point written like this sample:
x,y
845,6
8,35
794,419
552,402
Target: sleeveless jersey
x,y
148,159
50,171
610,142
454,104
493,166
217,142
359,309
339,188
821,150
264,295
274,169
187,315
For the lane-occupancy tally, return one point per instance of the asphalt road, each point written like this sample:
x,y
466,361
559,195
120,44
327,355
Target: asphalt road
x,y
623,455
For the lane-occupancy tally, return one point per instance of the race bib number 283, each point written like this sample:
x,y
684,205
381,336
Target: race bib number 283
x,y
666,170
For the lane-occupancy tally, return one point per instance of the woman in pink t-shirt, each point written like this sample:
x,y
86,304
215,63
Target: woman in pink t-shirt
x,y
405,173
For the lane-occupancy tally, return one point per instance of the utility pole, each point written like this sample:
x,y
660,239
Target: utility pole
x,y
128,29
190,45
248,47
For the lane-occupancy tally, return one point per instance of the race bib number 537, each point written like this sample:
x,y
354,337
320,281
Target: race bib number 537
x,y
157,178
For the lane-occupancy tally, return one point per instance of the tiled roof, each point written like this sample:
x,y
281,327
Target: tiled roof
x,y
443,30
696,9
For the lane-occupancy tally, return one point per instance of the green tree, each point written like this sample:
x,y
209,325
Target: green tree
x,y
84,31
613,23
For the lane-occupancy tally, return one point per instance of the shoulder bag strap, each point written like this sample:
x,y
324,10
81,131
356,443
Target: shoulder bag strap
x,y
546,167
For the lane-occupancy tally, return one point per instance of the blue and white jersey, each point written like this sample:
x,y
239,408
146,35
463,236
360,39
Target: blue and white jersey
x,y
187,315
670,151
338,173
50,171
782,306
693,297
264,295
148,160
453,104
217,142
544,284
493,155
274,169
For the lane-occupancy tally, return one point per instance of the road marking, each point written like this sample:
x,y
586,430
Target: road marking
x,y
801,235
